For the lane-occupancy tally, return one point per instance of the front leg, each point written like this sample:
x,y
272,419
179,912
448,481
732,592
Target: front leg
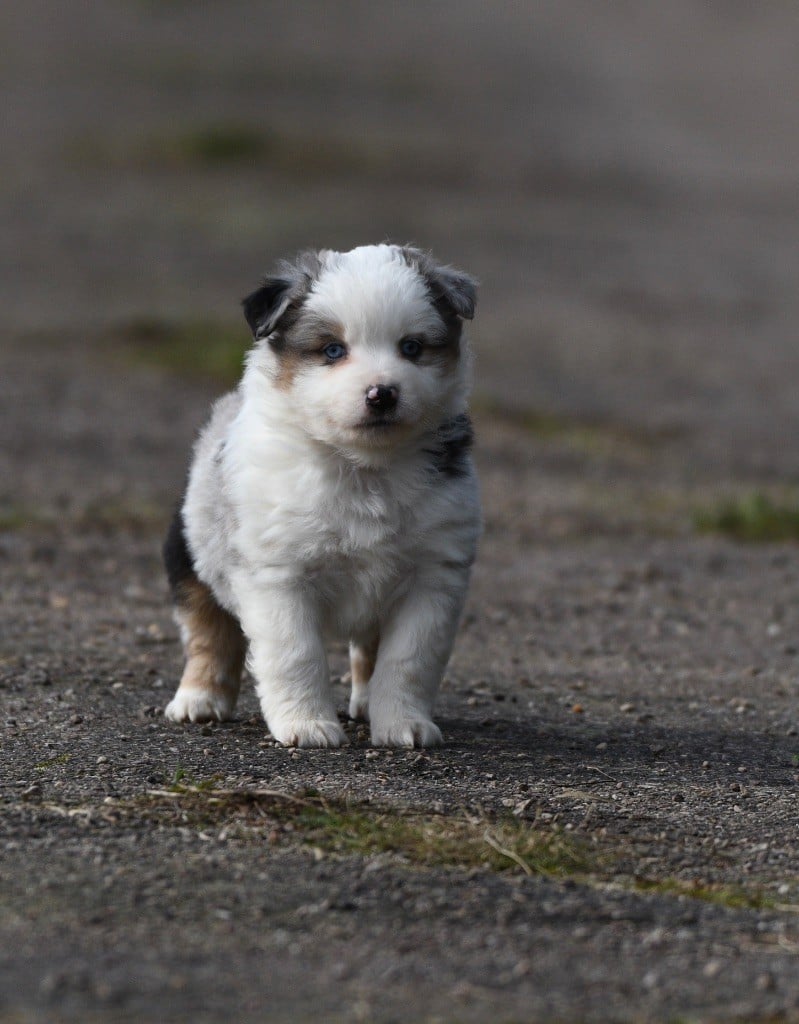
x,y
287,658
415,645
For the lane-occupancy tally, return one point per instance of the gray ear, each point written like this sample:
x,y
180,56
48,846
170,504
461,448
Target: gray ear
x,y
456,289
264,308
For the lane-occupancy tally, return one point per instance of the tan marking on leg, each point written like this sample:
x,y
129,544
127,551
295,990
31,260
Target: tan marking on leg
x,y
362,664
215,648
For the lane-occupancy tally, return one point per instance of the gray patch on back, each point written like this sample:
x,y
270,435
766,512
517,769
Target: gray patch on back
x,y
207,511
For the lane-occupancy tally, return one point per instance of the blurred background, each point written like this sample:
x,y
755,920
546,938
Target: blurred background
x,y
621,177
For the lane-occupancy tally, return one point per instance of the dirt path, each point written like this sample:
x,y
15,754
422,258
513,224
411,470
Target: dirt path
x,y
609,832
630,698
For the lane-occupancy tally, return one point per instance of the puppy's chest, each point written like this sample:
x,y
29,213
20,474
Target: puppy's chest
x,y
364,554
358,531
330,523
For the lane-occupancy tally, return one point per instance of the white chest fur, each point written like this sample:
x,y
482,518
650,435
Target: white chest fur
x,y
353,534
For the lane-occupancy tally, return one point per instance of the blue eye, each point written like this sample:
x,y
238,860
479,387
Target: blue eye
x,y
334,351
411,348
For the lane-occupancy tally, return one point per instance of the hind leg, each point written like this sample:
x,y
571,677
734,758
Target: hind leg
x,y
363,654
215,648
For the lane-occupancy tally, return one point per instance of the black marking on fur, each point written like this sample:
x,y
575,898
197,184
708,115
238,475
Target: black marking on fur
x,y
262,308
451,448
452,322
265,308
177,558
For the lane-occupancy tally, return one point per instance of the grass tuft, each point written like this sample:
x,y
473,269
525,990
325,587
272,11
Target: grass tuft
x,y
339,828
754,518
433,841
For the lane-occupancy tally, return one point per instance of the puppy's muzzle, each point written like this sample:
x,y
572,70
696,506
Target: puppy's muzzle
x,y
382,398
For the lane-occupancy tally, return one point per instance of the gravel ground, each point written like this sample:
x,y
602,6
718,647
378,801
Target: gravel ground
x,y
623,686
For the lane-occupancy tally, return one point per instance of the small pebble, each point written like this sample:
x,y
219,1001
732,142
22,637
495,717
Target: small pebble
x,y
627,708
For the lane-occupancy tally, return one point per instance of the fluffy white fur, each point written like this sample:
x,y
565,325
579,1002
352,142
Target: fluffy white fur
x,y
308,523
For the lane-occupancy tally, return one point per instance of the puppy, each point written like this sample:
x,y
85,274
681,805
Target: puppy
x,y
333,496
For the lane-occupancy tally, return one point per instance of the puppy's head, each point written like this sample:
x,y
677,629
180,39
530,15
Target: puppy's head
x,y
365,347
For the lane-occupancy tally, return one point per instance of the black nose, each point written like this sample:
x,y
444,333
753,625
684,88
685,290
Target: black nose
x,y
382,398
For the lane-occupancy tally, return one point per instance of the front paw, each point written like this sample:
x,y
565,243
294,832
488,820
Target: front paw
x,y
308,732
194,705
405,732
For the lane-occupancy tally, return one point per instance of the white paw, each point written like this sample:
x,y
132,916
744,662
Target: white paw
x,y
406,732
309,732
359,704
199,706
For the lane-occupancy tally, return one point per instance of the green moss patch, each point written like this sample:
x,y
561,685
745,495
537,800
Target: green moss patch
x,y
733,896
593,437
202,348
15,517
338,827
753,518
